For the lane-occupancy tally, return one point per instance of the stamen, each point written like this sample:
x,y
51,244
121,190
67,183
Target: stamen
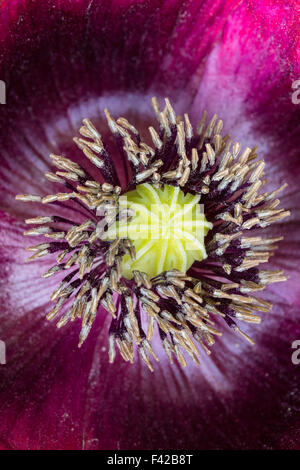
x,y
142,281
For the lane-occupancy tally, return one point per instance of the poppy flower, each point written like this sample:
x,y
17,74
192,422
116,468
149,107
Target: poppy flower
x,y
64,62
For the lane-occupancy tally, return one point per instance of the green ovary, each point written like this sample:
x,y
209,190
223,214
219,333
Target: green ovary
x,y
167,230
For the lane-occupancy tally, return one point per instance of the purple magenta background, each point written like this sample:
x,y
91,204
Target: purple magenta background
x,y
66,60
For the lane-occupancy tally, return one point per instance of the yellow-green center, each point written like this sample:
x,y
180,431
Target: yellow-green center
x,y
167,229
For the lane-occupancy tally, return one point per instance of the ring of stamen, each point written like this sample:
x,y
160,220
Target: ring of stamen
x,y
104,271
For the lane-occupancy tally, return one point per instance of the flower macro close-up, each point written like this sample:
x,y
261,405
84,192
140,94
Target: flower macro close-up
x,y
149,224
